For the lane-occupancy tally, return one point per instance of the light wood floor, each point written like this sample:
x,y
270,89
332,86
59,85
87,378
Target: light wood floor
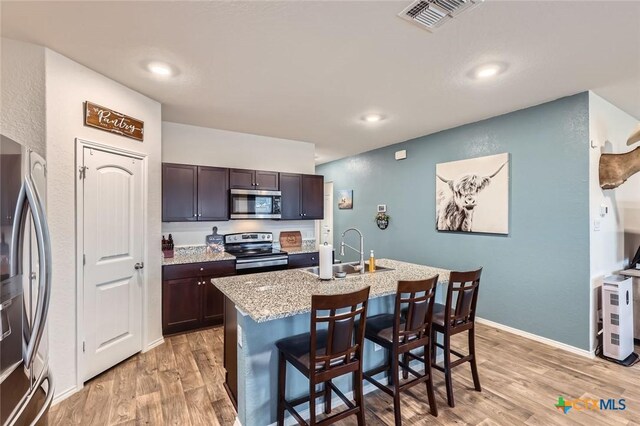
x,y
180,383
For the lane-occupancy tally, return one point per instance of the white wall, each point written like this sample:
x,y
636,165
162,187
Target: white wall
x,y
22,101
203,146
614,245
68,85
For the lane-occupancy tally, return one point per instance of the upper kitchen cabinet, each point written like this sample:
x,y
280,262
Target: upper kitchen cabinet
x,y
213,193
302,196
254,179
179,192
192,193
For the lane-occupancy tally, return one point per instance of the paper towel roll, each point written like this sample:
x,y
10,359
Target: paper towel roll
x,y
326,262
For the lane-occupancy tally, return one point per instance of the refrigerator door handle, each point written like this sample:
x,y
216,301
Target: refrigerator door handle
x,y
44,259
19,218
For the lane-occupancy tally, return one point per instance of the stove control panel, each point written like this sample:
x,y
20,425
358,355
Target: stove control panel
x,y
251,237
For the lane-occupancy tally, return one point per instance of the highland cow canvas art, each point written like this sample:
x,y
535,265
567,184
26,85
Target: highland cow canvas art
x,y
473,195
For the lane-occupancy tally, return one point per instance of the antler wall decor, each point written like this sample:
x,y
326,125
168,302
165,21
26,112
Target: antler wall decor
x,y
615,169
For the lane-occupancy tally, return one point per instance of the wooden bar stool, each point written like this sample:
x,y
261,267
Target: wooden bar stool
x,y
400,335
326,353
457,315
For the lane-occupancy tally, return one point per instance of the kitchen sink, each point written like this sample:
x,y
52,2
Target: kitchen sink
x,y
347,268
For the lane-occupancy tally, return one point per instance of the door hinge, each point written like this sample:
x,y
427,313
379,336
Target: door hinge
x,y
83,171
83,346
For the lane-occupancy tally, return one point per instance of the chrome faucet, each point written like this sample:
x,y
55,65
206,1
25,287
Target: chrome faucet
x,y
361,251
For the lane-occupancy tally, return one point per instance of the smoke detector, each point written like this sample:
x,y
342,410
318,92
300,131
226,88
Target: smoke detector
x,y
432,14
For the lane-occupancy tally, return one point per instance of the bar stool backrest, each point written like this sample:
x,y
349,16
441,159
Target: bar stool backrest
x,y
418,298
462,298
344,310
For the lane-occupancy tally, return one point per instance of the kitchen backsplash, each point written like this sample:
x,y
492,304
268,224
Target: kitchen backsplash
x,y
194,233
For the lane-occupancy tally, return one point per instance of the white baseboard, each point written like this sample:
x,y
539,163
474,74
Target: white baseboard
x,y
546,341
65,394
153,344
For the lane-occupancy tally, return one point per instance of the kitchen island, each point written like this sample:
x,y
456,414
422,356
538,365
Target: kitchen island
x,y
261,309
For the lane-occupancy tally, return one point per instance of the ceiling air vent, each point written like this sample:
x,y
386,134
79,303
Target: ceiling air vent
x,y
431,14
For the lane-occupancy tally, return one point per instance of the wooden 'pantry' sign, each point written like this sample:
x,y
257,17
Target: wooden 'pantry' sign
x,y
112,121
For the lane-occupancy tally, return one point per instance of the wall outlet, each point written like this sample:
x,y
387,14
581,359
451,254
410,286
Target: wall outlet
x,y
239,331
376,347
596,225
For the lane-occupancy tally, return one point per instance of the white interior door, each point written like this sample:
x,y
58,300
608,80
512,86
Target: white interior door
x,y
113,249
326,225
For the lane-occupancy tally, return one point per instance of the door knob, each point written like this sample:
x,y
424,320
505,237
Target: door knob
x,y
139,265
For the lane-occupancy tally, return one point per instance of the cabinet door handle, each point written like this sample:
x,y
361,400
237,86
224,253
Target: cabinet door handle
x,y
199,283
257,184
199,214
195,215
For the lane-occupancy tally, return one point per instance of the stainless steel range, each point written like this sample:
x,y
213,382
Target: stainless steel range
x,y
254,252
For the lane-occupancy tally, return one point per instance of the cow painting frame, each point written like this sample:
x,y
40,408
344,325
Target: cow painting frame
x,y
472,195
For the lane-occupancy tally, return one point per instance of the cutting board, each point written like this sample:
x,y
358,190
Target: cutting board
x,y
290,239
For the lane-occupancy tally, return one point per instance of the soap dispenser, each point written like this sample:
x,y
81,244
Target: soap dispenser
x,y
372,262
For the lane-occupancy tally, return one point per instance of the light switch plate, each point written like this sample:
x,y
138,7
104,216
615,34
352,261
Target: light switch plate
x,y
596,225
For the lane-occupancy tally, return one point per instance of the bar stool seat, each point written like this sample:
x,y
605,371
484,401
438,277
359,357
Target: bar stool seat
x,y
380,329
438,313
296,350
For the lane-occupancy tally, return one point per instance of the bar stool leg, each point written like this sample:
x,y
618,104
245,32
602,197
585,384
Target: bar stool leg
x,y
390,379
312,403
327,397
447,369
474,366
405,361
396,393
358,395
282,377
433,408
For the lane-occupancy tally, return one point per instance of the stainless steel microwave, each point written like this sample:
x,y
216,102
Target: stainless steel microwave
x,y
255,204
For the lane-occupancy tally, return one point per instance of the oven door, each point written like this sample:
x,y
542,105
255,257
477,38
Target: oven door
x,y
263,264
253,204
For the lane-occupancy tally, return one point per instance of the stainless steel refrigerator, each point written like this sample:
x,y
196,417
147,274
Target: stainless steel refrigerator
x,y
26,385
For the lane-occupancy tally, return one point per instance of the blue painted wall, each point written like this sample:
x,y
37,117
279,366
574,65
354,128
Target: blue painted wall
x,y
536,278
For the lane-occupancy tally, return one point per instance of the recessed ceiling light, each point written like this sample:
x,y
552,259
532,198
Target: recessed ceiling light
x,y
487,71
160,68
373,118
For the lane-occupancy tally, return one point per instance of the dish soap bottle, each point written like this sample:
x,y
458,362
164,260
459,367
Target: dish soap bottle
x,y
372,262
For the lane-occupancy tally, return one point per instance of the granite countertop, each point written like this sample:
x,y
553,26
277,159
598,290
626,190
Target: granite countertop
x,y
195,254
280,294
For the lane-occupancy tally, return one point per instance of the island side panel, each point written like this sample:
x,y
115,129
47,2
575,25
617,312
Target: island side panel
x,y
231,350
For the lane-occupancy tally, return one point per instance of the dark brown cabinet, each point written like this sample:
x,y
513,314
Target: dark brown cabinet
x,y
179,193
302,196
303,260
192,193
254,179
213,193
189,300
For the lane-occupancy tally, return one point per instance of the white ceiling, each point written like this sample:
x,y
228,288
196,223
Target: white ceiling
x,y
308,70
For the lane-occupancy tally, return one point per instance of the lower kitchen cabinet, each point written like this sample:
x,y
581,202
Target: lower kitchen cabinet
x,y
189,300
303,260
